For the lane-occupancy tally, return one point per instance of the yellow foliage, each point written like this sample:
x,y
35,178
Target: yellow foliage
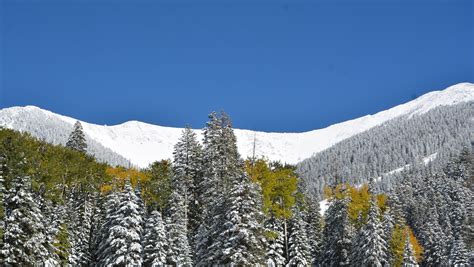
x,y
360,201
105,188
122,173
278,187
397,244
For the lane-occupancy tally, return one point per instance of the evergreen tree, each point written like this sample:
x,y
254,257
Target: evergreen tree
x,y
314,229
80,218
388,223
240,237
3,198
77,138
154,242
275,242
298,244
179,252
122,244
221,165
25,237
370,248
338,232
458,254
108,207
408,254
187,173
431,233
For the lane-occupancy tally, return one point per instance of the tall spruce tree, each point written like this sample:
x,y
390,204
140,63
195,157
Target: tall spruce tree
x,y
155,244
275,242
370,248
179,252
221,165
122,245
3,198
409,259
338,232
25,237
298,243
81,210
77,138
314,228
240,237
458,254
187,175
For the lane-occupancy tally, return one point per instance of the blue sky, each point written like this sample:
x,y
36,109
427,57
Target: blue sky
x,y
272,65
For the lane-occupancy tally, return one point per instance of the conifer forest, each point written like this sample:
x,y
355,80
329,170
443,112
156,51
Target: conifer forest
x,y
208,206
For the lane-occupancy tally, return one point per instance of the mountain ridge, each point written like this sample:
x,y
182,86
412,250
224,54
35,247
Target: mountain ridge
x,y
143,143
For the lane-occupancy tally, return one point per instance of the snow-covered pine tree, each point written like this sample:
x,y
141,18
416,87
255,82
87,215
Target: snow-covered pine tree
x,y
275,242
155,244
221,164
458,254
298,244
409,259
241,236
370,248
388,224
3,198
179,251
187,169
338,232
314,229
25,237
122,245
106,213
431,233
80,218
77,138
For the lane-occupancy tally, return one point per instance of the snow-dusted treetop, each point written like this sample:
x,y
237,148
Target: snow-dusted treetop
x,y
143,143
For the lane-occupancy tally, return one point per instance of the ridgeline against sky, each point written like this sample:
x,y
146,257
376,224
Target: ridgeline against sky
x,y
272,66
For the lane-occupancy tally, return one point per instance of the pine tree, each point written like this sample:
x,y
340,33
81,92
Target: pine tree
x,y
458,254
179,252
314,229
338,232
3,198
122,244
221,165
77,138
388,223
155,244
275,242
80,218
298,244
25,236
431,233
240,237
187,172
370,248
107,217
408,254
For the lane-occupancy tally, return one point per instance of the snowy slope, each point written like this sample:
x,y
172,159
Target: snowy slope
x,y
144,143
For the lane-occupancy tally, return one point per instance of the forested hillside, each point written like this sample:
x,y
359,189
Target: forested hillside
x,y
437,136
208,206
54,131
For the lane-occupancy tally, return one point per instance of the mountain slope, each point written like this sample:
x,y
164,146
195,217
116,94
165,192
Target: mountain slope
x,y
144,143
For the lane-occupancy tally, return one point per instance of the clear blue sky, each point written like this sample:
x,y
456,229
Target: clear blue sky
x,y
272,65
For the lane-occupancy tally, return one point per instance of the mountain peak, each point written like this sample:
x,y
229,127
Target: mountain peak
x,y
143,143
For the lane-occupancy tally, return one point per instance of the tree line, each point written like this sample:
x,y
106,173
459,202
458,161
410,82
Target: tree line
x,y
208,206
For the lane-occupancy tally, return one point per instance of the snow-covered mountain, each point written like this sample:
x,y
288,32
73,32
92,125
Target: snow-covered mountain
x,y
143,143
